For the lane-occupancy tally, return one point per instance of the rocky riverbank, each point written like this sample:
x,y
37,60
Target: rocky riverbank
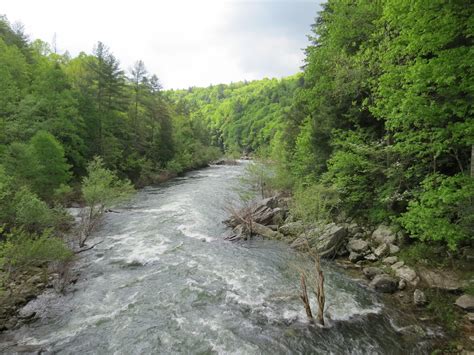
x,y
372,256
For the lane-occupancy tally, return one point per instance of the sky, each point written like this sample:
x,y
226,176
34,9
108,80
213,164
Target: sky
x,y
185,42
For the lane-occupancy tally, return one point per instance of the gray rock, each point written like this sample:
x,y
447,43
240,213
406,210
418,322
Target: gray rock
x,y
357,245
355,257
466,302
393,249
402,284
398,265
390,260
371,272
371,257
263,231
328,241
293,228
383,234
384,283
381,250
419,298
408,274
353,229
443,280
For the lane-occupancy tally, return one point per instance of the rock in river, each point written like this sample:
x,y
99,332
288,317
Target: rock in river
x,y
384,283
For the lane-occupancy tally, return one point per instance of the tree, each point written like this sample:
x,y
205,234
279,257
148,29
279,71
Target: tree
x,y
101,189
52,167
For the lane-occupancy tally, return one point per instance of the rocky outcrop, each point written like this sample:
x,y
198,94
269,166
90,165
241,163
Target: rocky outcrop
x,y
384,283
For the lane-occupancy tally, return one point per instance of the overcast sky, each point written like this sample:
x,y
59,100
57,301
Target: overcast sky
x,y
186,43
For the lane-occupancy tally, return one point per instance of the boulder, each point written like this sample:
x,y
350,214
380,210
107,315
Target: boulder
x,y
263,231
383,234
371,272
384,283
393,249
466,302
402,284
390,260
419,298
442,280
330,240
381,250
408,274
357,246
292,228
371,257
398,265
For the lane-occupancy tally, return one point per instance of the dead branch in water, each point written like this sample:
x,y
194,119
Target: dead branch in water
x,y
304,296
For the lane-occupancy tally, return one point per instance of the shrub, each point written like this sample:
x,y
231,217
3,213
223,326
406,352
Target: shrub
x,y
314,203
31,213
22,250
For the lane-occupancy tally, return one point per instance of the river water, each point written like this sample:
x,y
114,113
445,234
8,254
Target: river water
x,y
164,281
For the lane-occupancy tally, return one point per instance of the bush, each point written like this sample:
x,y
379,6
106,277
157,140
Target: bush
x,y
443,210
31,213
314,203
22,250
101,189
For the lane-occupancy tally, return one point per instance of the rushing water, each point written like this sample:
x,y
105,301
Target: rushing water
x,y
164,281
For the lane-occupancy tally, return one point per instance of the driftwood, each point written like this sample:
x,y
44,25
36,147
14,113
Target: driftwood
x,y
304,297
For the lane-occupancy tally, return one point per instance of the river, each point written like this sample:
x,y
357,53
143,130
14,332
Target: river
x,y
164,281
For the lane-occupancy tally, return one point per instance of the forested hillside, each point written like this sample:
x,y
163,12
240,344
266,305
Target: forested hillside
x,y
244,116
383,114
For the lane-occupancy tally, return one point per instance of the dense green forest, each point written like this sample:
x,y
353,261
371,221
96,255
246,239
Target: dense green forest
x,y
382,114
71,126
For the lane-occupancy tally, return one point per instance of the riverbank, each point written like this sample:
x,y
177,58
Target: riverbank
x,y
408,276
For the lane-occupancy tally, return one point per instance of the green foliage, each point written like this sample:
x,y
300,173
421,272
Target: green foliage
x,y
30,212
314,203
443,210
21,250
52,168
102,188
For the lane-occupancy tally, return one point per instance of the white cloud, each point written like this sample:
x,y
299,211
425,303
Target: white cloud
x,y
186,43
